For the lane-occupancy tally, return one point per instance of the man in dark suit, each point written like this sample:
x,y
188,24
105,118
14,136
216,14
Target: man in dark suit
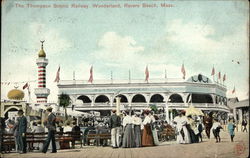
x,y
51,125
76,132
21,134
2,129
114,124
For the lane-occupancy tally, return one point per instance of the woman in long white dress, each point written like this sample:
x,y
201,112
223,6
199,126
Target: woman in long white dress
x,y
187,138
183,136
179,137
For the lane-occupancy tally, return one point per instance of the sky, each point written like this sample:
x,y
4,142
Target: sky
x,y
200,34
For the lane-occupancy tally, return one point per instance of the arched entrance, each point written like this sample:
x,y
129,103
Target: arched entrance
x,y
156,98
11,111
84,99
101,99
138,98
175,98
123,98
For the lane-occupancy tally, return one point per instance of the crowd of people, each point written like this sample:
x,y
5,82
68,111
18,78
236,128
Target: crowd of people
x,y
129,129
188,128
135,131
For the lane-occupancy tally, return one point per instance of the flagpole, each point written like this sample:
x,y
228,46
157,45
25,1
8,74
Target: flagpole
x,y
165,75
213,72
111,77
191,99
235,92
129,76
29,91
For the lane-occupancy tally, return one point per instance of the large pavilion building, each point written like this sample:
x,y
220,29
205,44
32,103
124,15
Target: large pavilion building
x,y
168,94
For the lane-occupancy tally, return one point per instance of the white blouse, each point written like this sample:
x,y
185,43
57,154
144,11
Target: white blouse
x,y
127,120
137,121
148,119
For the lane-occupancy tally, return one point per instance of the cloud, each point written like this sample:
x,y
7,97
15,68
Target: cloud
x,y
117,48
203,38
55,43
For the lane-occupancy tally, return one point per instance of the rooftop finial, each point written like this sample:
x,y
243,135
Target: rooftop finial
x,y
42,43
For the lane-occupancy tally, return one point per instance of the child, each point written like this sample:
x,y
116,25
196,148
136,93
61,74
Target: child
x,y
216,130
231,126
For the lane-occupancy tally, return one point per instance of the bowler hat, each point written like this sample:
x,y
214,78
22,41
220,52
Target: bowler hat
x,y
48,108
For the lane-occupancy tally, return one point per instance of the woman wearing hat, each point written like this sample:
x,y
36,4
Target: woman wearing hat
x,y
147,135
181,121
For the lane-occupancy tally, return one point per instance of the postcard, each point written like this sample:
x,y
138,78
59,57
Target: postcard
x,y
135,78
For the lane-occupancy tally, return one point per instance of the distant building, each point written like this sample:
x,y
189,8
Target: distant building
x,y
10,107
240,109
166,94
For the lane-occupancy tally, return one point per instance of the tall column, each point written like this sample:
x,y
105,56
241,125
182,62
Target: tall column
x,y
118,100
147,99
41,76
235,113
185,99
42,92
111,100
166,106
214,99
167,111
129,100
171,115
92,100
240,115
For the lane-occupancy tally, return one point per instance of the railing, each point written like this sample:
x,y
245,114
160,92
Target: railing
x,y
154,80
198,105
134,81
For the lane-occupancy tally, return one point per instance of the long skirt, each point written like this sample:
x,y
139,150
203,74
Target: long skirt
x,y
147,136
155,137
128,137
137,132
187,138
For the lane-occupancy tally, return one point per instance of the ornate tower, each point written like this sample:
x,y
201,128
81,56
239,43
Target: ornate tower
x,y
42,92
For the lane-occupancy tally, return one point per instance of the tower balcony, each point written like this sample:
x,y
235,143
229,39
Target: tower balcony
x,y
42,61
42,92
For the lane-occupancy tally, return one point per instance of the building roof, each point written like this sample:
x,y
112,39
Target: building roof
x,y
233,100
235,103
242,103
15,94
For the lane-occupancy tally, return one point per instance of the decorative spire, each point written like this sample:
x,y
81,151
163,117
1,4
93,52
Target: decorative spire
x,y
42,43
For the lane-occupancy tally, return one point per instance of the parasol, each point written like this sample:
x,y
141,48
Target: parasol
x,y
194,111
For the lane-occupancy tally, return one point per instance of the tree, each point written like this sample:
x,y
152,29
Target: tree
x,y
64,101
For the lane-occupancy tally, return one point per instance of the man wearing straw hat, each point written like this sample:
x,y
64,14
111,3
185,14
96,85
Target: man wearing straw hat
x,y
51,125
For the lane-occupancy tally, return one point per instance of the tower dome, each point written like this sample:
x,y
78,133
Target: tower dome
x,y
15,94
41,53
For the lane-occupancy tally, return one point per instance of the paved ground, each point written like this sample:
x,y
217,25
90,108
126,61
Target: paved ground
x,y
206,149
